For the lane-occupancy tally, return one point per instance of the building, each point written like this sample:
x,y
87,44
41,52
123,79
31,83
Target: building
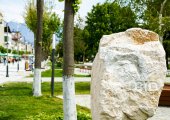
x,y
8,38
1,30
5,34
13,40
20,43
30,48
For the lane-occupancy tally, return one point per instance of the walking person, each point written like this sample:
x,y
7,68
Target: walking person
x,y
4,60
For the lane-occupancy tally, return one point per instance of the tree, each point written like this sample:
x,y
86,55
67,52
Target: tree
x,y
59,49
160,18
51,24
154,14
166,45
2,49
107,18
68,67
71,6
156,17
38,47
80,46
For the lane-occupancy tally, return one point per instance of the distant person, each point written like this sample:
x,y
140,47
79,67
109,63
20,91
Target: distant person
x,y
13,60
4,61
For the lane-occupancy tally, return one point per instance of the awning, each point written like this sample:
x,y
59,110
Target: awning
x,y
16,55
10,55
2,54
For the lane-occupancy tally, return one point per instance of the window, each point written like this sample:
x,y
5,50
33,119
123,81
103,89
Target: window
x,y
5,38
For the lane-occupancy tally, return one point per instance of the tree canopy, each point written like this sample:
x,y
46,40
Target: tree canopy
x,y
151,15
51,23
107,18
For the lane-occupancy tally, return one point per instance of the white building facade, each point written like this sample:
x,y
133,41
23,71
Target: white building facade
x,y
1,30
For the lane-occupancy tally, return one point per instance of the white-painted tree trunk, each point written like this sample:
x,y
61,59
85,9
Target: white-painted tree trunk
x,y
69,98
37,82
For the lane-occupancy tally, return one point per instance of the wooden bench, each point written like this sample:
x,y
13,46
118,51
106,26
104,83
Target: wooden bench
x,y
165,96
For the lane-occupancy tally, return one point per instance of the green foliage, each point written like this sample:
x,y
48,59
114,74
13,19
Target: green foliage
x,y
59,62
148,12
83,116
3,50
167,75
59,49
44,116
105,19
14,52
17,103
9,50
166,45
80,46
75,5
31,17
21,52
51,23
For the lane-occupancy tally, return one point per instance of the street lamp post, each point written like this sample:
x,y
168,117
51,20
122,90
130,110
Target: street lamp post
x,y
1,20
18,53
52,75
26,47
7,75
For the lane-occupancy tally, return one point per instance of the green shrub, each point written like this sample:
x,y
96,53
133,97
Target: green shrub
x,y
3,50
83,116
3,115
44,116
59,62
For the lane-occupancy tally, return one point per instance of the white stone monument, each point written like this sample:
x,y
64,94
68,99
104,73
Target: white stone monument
x,y
127,76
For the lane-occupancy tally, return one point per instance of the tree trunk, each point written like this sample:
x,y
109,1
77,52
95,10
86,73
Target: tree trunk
x,y
38,47
68,68
84,56
160,21
167,61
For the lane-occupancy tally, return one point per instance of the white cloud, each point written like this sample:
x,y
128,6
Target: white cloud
x,y
12,10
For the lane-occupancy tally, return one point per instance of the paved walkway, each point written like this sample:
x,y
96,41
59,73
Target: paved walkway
x,y
162,113
44,79
21,77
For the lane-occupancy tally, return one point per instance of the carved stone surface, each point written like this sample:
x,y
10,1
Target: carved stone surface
x,y
128,75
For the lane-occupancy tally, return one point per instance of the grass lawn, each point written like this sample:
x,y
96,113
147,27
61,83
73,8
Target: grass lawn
x,y
17,102
81,88
58,73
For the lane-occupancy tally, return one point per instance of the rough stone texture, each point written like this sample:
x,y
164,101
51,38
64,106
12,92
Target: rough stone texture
x,y
128,74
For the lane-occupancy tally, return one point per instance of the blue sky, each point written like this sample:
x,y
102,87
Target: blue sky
x,y
13,10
